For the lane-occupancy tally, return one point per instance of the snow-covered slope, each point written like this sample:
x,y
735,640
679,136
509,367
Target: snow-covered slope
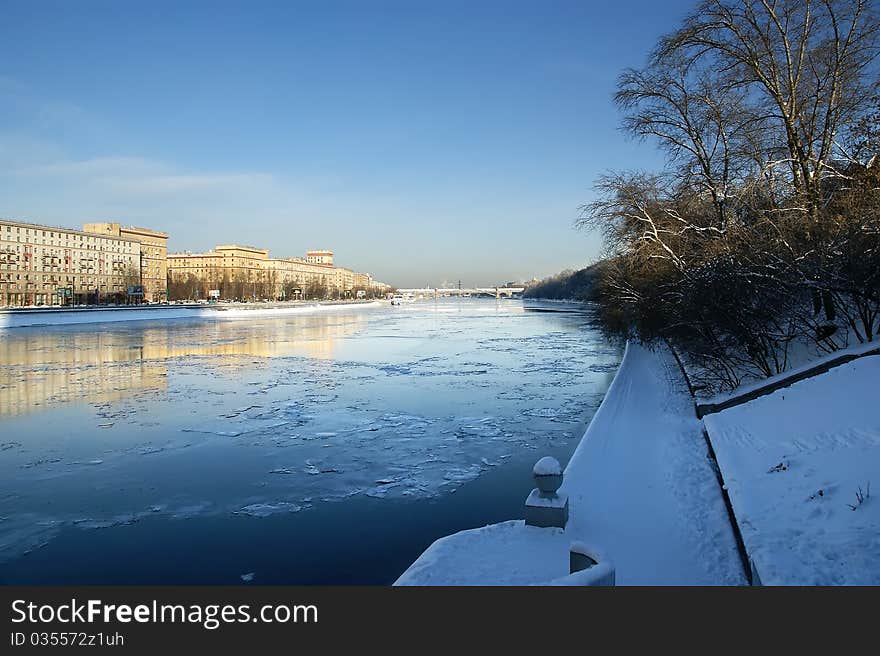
x,y
793,463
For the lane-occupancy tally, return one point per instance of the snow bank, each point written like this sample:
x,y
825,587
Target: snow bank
x,y
59,317
239,312
856,351
19,319
793,463
509,553
640,485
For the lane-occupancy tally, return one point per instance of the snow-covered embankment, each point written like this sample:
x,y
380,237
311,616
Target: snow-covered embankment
x,y
640,486
70,316
796,463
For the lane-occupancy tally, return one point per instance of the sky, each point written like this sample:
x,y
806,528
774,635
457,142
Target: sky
x,y
422,141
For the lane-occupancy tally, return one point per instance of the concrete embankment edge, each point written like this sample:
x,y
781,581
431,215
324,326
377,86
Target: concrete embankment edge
x,y
30,318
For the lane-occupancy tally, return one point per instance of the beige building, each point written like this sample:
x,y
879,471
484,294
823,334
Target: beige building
x,y
248,273
320,257
44,265
154,253
232,270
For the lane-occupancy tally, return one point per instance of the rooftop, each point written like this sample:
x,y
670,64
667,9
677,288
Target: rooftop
x,y
37,226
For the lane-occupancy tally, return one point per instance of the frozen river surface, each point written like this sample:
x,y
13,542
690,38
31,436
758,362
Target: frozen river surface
x,y
315,448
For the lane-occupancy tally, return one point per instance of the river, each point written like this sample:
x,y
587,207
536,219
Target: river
x,y
322,448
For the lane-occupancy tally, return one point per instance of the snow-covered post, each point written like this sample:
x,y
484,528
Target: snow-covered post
x,y
545,507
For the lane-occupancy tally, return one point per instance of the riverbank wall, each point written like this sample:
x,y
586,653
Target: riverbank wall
x,y
34,317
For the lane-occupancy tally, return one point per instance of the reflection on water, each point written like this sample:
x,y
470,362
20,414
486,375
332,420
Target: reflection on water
x,y
40,366
165,452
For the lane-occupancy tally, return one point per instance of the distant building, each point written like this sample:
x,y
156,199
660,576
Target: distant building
x,y
153,251
248,273
45,265
320,257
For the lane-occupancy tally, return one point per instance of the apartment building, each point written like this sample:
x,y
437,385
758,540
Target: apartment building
x,y
154,254
320,257
232,270
45,265
246,272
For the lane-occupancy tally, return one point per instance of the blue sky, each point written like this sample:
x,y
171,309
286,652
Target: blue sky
x,y
422,141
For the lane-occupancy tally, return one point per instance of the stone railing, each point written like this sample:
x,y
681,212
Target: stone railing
x,y
588,567
547,508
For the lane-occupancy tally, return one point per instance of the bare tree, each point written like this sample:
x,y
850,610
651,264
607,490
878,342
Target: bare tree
x,y
803,63
703,123
763,229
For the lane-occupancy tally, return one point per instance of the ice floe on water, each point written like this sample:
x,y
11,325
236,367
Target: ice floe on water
x,y
192,510
252,420
22,534
119,520
267,509
556,414
238,424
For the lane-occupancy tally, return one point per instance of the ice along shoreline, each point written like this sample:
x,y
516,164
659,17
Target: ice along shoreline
x,y
33,317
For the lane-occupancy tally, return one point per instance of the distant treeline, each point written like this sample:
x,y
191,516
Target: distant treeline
x,y
567,285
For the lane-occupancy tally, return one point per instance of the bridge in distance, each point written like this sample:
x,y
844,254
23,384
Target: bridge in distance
x,y
497,292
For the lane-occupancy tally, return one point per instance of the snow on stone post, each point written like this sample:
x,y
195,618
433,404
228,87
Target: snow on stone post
x,y
545,507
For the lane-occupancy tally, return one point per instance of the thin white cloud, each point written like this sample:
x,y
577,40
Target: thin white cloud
x,y
138,177
187,183
20,152
101,167
23,107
